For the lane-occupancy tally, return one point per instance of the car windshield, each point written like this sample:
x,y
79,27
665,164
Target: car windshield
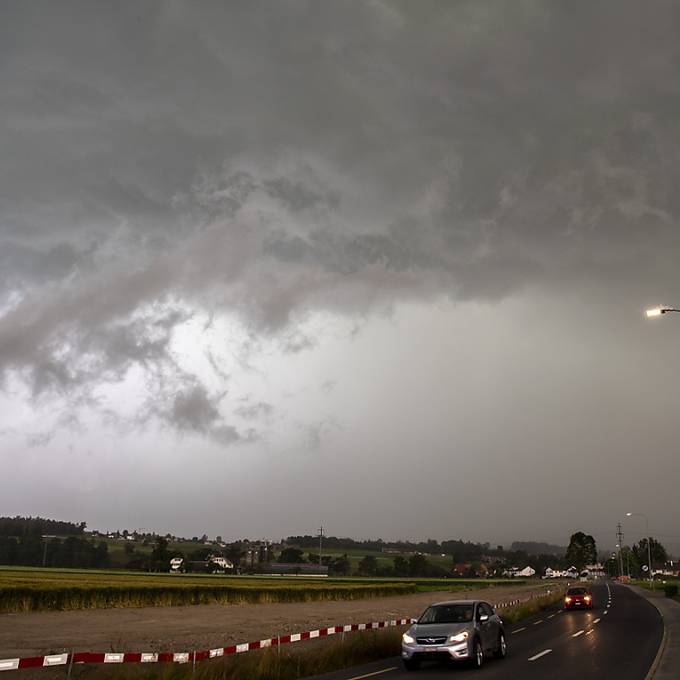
x,y
577,591
447,613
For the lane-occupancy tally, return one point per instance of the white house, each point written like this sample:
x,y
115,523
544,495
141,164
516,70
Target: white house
x,y
219,563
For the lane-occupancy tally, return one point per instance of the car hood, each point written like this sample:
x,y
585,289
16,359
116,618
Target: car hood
x,y
438,629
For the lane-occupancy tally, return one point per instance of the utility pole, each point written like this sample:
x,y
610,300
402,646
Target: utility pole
x,y
320,539
619,535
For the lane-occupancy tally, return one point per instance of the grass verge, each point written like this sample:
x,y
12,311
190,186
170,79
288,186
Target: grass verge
x,y
527,609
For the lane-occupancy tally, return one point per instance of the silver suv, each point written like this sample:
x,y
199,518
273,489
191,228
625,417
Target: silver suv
x,y
461,630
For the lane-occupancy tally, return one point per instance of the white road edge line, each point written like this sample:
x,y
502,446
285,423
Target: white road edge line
x,y
537,622
550,617
539,655
580,632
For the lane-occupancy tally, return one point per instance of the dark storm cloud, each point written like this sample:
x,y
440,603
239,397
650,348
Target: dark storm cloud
x,y
193,410
267,159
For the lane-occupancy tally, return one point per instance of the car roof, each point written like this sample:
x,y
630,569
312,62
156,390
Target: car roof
x,y
449,602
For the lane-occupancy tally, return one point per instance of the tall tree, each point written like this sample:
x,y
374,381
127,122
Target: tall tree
x,y
417,565
339,566
581,551
400,566
368,566
659,554
291,555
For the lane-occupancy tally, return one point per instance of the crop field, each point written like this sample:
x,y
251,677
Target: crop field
x,y
23,590
33,589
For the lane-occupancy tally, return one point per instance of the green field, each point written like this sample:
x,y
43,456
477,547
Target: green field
x,y
32,589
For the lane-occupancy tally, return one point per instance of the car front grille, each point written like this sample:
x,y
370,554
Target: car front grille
x,y
433,640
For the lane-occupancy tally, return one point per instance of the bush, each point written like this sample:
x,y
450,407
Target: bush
x,y
671,589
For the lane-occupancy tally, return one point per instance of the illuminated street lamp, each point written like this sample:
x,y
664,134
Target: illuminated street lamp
x,y
658,311
649,540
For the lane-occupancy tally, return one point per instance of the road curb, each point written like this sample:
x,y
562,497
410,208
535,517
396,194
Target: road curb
x,y
662,646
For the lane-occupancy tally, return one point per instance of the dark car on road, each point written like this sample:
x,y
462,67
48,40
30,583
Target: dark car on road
x,y
460,630
578,597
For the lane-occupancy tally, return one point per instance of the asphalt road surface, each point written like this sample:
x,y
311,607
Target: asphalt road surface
x,y
618,638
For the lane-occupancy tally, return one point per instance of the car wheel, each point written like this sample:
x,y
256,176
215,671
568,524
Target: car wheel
x,y
502,649
411,664
477,654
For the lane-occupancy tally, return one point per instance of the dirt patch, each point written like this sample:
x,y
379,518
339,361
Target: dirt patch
x,y
207,626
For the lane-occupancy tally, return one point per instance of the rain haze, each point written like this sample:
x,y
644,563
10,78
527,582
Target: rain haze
x,y
380,266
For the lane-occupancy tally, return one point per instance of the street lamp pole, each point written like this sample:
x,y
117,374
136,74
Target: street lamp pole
x,y
649,539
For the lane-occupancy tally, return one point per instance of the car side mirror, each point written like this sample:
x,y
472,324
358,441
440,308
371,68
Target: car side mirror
x,y
483,618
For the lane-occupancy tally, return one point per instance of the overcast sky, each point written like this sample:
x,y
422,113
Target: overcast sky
x,y
377,265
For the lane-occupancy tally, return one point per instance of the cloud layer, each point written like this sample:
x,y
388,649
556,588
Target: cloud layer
x,y
269,161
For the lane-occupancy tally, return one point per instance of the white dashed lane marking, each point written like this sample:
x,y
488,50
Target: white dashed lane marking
x,y
580,632
519,630
537,622
597,620
370,675
540,654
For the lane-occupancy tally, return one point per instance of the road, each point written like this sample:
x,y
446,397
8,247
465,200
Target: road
x,y
618,639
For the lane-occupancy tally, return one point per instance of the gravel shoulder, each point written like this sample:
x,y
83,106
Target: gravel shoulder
x,y
208,626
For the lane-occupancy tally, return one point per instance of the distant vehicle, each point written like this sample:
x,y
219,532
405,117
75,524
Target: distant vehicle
x,y
578,597
460,630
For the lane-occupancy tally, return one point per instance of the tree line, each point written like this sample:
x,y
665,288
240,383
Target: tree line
x,y
463,550
38,526
70,552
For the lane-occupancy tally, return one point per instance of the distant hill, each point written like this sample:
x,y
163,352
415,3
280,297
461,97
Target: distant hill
x,y
538,548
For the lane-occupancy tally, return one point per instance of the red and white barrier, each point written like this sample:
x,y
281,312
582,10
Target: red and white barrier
x,y
50,660
187,657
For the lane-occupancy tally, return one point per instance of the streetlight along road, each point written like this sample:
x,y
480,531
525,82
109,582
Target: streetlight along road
x,y
658,311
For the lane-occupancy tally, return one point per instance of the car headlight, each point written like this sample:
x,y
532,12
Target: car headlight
x,y
461,637
407,639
